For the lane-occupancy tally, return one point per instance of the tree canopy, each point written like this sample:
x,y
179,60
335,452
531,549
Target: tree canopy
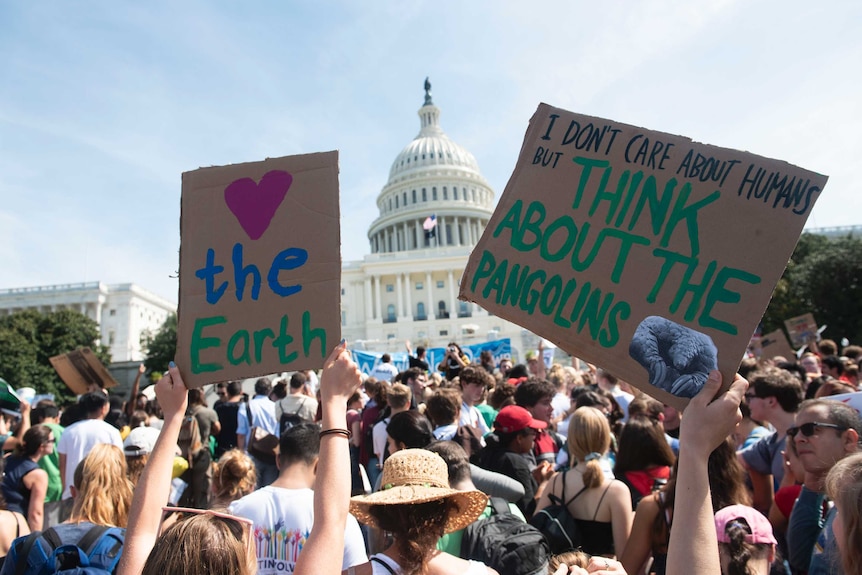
x,y
161,348
29,338
824,277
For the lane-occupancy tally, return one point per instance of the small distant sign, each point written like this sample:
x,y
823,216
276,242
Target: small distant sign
x,y
802,329
81,369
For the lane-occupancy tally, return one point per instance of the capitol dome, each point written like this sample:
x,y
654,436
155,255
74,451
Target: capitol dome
x,y
431,177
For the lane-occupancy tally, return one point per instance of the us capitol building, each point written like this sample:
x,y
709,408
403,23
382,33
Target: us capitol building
x,y
407,287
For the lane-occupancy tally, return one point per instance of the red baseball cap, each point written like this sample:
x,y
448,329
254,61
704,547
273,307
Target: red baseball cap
x,y
513,418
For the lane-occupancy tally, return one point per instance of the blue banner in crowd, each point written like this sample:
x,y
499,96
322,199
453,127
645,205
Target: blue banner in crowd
x,y
499,348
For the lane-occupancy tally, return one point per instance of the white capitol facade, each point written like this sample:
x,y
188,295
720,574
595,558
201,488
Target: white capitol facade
x,y
407,287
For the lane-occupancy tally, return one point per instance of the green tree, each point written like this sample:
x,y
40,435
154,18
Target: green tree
x,y
28,339
823,277
161,348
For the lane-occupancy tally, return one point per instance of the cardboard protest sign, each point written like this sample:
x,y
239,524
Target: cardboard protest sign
x,y
260,268
645,253
802,329
81,369
775,344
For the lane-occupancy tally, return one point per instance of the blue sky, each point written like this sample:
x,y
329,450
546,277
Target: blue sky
x,y
103,105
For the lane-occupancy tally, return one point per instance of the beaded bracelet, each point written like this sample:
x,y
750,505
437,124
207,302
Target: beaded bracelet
x,y
345,432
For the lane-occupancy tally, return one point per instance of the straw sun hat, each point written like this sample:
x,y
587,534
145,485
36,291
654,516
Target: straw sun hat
x,y
419,476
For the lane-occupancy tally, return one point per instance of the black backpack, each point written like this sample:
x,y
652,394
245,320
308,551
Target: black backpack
x,y
289,420
555,522
368,433
504,542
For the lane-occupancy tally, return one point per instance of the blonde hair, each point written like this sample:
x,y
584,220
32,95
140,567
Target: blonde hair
x,y
589,435
234,476
104,490
844,486
203,544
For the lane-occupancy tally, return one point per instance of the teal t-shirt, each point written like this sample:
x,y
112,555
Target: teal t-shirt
x,y
451,542
488,413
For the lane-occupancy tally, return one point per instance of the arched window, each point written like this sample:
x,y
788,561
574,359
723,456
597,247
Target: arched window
x,y
390,313
420,311
441,310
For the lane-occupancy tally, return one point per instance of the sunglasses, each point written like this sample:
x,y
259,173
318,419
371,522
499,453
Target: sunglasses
x,y
809,429
172,515
749,396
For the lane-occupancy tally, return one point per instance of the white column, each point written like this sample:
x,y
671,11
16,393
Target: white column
x,y
99,304
369,309
379,313
408,287
457,224
431,311
399,295
406,237
452,300
441,231
420,236
387,244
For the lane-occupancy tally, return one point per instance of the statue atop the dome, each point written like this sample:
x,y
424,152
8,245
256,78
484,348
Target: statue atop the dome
x,y
428,101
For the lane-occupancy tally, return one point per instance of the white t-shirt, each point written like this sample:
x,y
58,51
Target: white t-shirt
x,y
471,416
77,441
561,404
384,372
283,519
379,438
623,399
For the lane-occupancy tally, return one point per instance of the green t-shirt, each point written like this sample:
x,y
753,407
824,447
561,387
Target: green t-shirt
x,y
451,542
488,413
51,464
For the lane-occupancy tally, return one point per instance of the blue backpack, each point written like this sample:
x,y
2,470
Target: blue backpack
x,y
68,549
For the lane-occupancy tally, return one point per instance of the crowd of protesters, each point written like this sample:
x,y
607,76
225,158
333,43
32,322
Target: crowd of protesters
x,y
764,478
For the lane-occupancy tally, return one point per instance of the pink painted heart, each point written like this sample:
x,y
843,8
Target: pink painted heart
x,y
254,204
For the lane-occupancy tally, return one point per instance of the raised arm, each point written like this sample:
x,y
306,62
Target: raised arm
x,y
693,548
154,485
322,553
136,388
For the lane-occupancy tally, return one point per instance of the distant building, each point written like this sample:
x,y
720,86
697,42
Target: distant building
x,y
124,312
836,231
407,287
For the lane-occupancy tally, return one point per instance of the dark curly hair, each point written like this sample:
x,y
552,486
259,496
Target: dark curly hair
x,y
416,528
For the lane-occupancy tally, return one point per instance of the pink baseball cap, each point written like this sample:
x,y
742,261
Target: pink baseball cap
x,y
751,519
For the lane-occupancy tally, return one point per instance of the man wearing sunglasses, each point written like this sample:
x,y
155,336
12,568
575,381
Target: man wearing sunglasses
x,y
825,432
773,395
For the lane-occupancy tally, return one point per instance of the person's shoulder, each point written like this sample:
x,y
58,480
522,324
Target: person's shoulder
x,y
442,563
648,504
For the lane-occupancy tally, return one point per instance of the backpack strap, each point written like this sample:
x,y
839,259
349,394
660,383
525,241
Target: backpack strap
x,y
384,563
248,412
578,494
27,546
605,492
52,537
91,538
499,506
302,403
